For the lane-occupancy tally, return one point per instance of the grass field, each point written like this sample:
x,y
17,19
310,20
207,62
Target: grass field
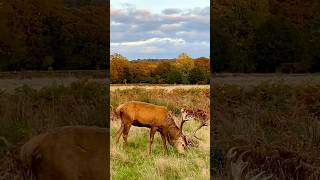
x,y
166,87
273,124
9,81
27,111
249,80
273,118
136,162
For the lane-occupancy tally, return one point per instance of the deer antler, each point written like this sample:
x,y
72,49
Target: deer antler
x,y
181,124
259,176
194,132
239,166
189,140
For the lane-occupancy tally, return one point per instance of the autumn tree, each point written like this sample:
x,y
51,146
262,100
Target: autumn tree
x,y
36,34
160,73
141,71
203,64
184,64
119,68
261,36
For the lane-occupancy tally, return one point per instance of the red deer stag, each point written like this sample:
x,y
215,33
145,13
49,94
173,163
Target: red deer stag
x,y
157,118
197,115
68,153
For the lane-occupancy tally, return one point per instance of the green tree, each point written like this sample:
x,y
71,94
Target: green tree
x,y
160,73
47,62
223,49
276,42
174,76
197,76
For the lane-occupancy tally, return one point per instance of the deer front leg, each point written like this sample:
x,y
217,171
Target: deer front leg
x,y
164,143
152,132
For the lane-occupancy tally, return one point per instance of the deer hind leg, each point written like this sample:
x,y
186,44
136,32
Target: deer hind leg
x,y
152,132
125,133
119,132
164,143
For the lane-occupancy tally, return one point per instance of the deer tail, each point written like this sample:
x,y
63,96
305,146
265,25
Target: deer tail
x,y
119,109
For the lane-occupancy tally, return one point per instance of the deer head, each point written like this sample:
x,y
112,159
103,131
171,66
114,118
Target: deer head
x,y
197,115
187,140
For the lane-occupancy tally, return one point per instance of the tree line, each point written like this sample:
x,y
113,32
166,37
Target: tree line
x,y
53,34
247,36
265,36
182,70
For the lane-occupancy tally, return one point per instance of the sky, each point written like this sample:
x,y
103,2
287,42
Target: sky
x,y
142,29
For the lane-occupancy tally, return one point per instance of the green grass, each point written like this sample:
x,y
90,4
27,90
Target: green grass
x,y
137,163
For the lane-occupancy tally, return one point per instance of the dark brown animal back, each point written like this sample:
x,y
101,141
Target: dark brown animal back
x,y
69,153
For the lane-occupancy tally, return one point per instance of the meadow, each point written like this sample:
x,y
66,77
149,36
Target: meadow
x,y
268,125
273,120
27,111
136,162
9,81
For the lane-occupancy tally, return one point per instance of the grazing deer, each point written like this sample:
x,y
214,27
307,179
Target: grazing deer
x,y
157,118
72,152
197,115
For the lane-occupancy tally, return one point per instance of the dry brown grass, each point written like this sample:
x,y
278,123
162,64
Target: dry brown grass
x,y
114,87
9,85
276,124
247,80
26,112
9,81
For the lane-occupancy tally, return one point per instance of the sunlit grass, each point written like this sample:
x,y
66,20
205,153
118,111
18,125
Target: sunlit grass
x,y
136,163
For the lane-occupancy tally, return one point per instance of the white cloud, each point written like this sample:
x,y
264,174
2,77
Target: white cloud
x,y
151,41
171,27
170,11
139,33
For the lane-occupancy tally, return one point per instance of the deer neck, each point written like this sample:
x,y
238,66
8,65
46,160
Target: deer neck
x,y
173,133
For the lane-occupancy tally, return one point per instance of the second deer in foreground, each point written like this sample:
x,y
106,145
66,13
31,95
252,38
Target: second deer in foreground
x,y
157,118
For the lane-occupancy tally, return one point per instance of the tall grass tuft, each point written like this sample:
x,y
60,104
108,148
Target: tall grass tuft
x,y
27,112
276,124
